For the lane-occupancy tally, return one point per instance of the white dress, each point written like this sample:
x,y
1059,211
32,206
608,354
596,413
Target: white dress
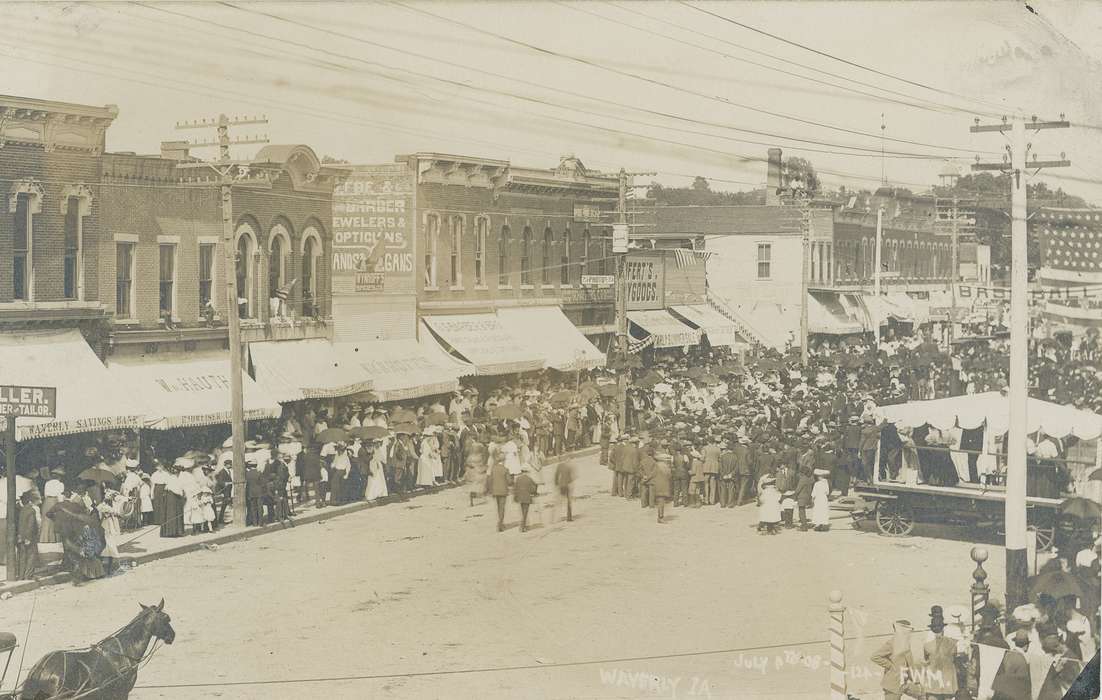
x,y
193,510
428,464
376,481
820,505
511,455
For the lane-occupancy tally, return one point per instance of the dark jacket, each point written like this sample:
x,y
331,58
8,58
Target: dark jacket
x,y
311,466
803,490
497,480
524,489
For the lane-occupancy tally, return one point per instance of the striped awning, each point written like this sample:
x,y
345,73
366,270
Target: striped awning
x,y
668,332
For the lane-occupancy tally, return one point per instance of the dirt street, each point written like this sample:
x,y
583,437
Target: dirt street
x,y
426,600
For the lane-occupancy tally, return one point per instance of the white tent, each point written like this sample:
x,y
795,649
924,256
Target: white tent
x,y
972,411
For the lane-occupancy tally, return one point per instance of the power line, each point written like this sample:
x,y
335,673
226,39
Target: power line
x,y
661,83
837,58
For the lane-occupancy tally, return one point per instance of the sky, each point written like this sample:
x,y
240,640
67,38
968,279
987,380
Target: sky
x,y
673,88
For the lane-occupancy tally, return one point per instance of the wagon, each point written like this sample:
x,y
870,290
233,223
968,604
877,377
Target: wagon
x,y
896,503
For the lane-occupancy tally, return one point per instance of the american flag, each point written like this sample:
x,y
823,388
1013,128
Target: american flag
x,y
1072,240
635,346
685,257
284,292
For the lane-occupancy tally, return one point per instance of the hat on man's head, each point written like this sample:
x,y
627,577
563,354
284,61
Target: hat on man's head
x,y
1020,638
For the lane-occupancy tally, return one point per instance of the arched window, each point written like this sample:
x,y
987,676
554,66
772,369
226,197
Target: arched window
x,y
432,239
481,229
503,257
548,266
526,256
245,268
311,253
564,258
587,240
279,248
455,225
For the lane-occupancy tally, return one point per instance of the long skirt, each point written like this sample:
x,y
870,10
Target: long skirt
x,y
28,561
173,525
49,532
158,504
376,486
426,471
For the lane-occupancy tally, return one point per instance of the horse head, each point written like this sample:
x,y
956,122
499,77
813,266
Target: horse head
x,y
158,622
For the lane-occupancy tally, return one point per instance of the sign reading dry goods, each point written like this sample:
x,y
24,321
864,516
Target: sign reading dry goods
x,y
28,401
373,231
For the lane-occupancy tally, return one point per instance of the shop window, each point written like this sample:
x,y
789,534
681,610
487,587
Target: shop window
x,y
206,274
124,280
526,256
765,260
167,280
503,257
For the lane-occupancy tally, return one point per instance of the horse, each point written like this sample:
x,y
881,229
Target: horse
x,y
105,671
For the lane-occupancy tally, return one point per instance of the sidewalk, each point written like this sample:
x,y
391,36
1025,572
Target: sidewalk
x,y
149,547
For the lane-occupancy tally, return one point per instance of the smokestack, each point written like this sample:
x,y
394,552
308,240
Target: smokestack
x,y
175,150
773,177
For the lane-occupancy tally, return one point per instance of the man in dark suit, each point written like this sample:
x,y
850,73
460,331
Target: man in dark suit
x,y
524,492
728,464
646,473
497,485
629,462
1012,679
310,475
254,492
744,471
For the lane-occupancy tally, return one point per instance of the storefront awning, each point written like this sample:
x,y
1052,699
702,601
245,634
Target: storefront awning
x,y
291,370
554,336
402,369
88,400
827,315
484,341
668,332
719,329
180,390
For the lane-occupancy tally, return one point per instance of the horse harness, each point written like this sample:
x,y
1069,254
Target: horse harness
x,y
100,647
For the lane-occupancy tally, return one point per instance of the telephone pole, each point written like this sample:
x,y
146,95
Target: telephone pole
x,y
620,237
876,267
805,250
954,274
230,171
1017,563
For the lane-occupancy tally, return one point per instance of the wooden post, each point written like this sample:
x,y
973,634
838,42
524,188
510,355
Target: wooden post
x,y
981,590
837,647
13,509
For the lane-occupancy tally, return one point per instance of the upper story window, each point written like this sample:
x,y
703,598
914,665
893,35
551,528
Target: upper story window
x,y
245,270
21,249
481,229
587,240
167,280
548,242
124,280
564,258
765,260
279,243
503,257
432,239
72,263
311,254
526,256
206,275
455,224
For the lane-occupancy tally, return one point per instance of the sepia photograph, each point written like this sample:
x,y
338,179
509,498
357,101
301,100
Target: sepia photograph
x,y
550,349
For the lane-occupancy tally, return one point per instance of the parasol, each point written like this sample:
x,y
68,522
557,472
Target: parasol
x,y
695,372
1080,507
403,415
405,428
663,388
587,385
369,432
564,397
609,390
98,474
1096,475
436,418
648,380
1058,584
332,435
507,411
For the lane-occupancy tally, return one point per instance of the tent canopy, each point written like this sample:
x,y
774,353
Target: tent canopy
x,y
972,411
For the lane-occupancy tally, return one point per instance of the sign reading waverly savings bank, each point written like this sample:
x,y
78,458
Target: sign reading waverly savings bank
x,y
28,401
373,231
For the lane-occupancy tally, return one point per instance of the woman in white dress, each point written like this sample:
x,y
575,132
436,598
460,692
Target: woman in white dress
x,y
376,480
820,504
428,464
205,496
510,454
109,511
193,511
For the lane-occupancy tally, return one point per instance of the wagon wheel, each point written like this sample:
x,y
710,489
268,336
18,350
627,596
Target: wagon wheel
x,y
1046,537
894,519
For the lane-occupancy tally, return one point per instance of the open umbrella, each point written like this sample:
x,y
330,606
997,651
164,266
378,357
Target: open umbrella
x,y
403,415
507,411
369,432
587,385
98,474
436,418
609,390
564,397
590,393
332,435
694,372
405,428
1080,507
1058,584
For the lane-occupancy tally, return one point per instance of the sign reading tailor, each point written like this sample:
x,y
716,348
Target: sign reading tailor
x,y
373,231
28,401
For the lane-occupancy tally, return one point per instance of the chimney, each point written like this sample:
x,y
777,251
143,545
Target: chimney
x,y
773,178
175,150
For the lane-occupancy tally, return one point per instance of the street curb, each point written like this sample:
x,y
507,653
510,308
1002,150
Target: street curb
x,y
319,515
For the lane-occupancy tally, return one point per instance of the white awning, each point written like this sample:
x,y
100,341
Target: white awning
x,y
485,342
971,411
180,390
553,335
719,329
291,370
827,315
668,332
88,400
402,369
